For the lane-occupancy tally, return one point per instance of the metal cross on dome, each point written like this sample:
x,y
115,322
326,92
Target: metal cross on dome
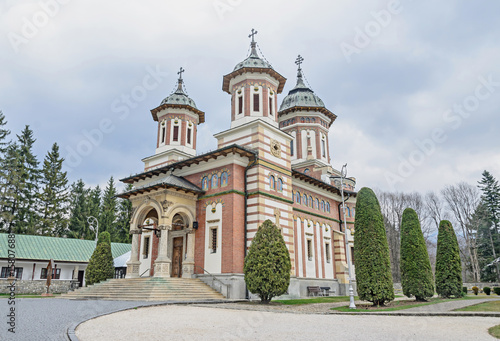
x,y
180,72
252,35
299,61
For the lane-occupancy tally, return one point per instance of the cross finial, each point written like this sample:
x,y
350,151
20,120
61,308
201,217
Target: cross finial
x,y
180,73
252,35
299,61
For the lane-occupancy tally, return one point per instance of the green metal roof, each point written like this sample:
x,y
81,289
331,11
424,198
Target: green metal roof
x,y
58,249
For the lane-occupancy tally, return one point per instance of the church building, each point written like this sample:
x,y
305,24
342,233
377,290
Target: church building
x,y
195,215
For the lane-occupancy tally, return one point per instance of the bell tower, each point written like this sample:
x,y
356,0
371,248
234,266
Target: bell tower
x,y
253,86
178,119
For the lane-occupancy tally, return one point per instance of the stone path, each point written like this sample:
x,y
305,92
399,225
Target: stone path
x,y
210,323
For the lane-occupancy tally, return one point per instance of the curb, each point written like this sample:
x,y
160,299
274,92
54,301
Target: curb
x,y
447,314
70,332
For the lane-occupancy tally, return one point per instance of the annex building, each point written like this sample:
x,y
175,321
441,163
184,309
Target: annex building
x,y
195,215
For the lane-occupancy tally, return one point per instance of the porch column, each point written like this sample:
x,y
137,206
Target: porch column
x,y
188,264
163,262
133,263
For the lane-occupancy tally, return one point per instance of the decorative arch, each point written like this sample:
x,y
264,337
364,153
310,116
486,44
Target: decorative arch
x,y
142,211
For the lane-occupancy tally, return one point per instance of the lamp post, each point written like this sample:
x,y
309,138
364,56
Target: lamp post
x,y
90,220
343,174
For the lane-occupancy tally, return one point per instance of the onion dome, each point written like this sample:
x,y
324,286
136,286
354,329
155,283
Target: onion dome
x,y
179,99
303,98
253,63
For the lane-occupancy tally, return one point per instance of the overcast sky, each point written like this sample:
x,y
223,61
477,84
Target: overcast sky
x,y
415,84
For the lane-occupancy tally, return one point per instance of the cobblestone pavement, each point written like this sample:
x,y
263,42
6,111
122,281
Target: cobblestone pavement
x,y
47,319
210,323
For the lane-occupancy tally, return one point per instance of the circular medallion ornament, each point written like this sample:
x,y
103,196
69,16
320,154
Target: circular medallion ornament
x,y
275,148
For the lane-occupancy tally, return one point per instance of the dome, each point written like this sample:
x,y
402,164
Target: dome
x,y
253,60
301,96
179,96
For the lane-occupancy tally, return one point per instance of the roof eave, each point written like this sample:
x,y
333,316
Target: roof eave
x,y
322,110
155,111
227,78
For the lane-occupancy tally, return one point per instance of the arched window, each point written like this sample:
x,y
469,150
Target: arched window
x,y
280,185
311,202
224,178
348,211
305,200
316,204
272,182
328,207
215,181
322,205
204,183
297,197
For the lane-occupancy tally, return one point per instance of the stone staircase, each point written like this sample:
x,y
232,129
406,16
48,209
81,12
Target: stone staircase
x,y
147,289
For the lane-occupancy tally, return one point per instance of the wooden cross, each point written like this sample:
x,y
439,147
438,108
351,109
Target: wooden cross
x,y
299,60
180,72
254,32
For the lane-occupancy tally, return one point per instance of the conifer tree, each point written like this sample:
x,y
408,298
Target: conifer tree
x,y
54,195
371,251
78,225
416,272
11,190
267,264
94,202
100,266
4,174
448,266
4,133
29,175
124,216
107,218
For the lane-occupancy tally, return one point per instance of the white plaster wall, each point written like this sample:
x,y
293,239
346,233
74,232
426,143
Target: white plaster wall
x,y
328,266
213,261
298,250
310,265
317,252
66,269
145,262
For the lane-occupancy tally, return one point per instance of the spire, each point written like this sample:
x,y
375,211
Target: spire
x,y
253,44
180,82
300,81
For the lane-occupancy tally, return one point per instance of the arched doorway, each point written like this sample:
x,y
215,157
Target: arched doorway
x,y
178,243
148,244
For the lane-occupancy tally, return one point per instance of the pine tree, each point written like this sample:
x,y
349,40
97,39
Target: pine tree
x,y
11,190
486,257
124,216
79,212
94,202
490,199
4,133
371,251
29,175
448,266
107,217
54,195
416,272
267,264
100,266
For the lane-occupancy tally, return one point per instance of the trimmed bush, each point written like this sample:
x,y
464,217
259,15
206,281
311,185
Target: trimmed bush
x,y
448,266
371,251
487,290
464,290
267,264
496,290
475,290
416,271
100,266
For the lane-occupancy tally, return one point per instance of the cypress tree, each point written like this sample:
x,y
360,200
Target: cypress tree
x,y
416,272
267,264
54,195
371,251
100,266
448,266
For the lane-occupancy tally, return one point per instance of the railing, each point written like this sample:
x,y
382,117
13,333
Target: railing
x,y
145,272
216,279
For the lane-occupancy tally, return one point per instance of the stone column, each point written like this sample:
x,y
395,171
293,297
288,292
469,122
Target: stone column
x,y
133,263
75,272
188,264
163,262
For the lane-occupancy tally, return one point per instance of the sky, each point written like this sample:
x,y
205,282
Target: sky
x,y
415,84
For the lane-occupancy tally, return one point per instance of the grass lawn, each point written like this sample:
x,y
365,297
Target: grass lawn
x,y
327,299
391,306
486,306
495,331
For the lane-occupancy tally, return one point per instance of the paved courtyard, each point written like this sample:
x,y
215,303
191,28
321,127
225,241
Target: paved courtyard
x,y
208,323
